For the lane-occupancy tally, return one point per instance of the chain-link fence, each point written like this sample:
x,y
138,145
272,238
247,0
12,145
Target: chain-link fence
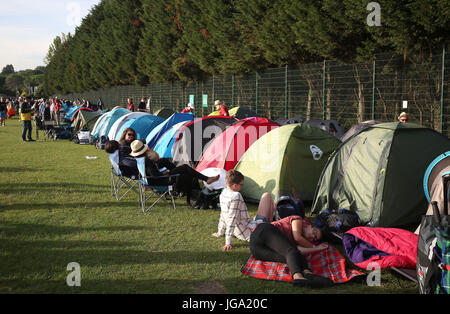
x,y
329,90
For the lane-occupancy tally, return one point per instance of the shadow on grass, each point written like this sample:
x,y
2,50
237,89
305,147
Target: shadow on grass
x,y
52,187
61,206
16,169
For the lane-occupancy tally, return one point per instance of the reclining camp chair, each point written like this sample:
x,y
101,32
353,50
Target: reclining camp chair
x,y
147,190
120,184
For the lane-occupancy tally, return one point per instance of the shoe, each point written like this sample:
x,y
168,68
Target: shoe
x,y
31,140
302,283
212,179
318,281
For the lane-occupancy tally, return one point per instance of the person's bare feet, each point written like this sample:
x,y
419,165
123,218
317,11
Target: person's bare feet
x,y
212,179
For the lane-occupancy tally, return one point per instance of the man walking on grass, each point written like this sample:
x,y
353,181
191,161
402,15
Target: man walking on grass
x,y
25,116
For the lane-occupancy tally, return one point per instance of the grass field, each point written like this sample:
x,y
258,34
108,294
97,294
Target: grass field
x,y
56,208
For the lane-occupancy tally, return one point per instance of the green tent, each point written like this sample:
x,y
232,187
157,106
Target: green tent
x,y
378,173
164,113
286,161
238,112
86,119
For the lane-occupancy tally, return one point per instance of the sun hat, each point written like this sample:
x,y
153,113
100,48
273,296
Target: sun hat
x,y
138,148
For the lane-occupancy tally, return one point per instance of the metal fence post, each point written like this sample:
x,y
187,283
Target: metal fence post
x,y
232,90
213,89
196,97
286,105
373,88
256,92
324,106
171,96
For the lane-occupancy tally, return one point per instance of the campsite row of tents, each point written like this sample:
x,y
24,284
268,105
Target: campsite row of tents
x,y
375,169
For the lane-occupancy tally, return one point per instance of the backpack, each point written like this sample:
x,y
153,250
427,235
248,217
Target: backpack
x,y
102,142
340,220
289,206
62,132
208,199
433,249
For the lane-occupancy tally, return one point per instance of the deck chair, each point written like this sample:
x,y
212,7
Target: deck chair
x,y
147,190
121,184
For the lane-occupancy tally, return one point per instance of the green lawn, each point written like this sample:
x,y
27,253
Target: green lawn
x,y
56,208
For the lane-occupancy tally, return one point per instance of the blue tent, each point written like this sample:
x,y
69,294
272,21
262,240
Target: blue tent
x,y
71,112
142,124
162,128
98,125
109,121
165,143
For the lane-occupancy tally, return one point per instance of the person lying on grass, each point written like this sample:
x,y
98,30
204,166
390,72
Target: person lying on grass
x,y
287,241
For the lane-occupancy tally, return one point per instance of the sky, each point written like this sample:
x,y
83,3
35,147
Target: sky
x,y
28,27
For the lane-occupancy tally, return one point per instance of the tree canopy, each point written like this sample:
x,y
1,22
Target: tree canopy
x,y
124,42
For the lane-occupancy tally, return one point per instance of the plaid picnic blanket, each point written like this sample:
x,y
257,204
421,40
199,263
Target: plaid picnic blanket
x,y
328,263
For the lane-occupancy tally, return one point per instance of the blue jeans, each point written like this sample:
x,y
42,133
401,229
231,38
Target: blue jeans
x,y
26,129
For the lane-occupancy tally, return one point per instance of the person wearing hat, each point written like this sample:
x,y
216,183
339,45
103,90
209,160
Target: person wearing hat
x,y
188,176
223,110
189,108
403,117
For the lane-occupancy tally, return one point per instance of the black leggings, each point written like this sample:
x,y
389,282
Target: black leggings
x,y
268,243
187,180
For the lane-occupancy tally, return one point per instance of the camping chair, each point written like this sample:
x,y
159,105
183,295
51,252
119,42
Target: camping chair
x,y
147,190
120,182
48,125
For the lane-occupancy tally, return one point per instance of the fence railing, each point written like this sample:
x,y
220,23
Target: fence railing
x,y
329,90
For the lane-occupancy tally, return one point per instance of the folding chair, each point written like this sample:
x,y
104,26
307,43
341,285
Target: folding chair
x,y
120,182
48,125
147,190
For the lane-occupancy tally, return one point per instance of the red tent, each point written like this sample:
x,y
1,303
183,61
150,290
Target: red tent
x,y
228,147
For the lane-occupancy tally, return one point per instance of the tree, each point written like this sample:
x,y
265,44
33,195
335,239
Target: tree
x,y
15,82
8,69
159,45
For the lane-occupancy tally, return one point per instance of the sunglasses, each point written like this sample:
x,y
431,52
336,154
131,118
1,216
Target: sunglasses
x,y
131,134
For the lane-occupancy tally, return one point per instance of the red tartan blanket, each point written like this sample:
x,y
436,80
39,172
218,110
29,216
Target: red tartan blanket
x,y
329,263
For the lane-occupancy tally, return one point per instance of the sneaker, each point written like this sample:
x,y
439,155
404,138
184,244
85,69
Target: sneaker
x,y
31,140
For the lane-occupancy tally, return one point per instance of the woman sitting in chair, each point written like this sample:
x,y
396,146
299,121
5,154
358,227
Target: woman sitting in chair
x,y
186,181
127,164
127,137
